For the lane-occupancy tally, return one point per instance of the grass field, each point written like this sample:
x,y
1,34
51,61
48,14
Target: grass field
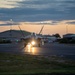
x,y
17,64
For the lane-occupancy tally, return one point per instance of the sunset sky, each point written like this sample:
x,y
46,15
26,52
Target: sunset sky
x,y
57,16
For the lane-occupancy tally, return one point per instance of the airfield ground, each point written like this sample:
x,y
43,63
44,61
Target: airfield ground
x,y
18,64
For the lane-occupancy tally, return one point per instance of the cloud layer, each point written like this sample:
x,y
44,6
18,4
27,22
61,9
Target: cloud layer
x,y
37,10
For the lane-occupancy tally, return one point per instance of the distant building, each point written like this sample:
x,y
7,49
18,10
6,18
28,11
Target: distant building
x,y
69,36
49,38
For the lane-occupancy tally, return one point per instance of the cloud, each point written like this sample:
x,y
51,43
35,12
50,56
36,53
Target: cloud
x,y
43,4
71,22
47,22
38,10
9,3
8,23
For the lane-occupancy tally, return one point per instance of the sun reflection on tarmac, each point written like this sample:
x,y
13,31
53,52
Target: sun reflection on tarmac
x,y
30,50
33,50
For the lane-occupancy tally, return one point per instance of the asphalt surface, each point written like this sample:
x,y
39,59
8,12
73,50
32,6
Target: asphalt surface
x,y
12,48
53,49
50,49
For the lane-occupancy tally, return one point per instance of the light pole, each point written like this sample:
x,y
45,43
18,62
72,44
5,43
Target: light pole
x,y
66,29
10,27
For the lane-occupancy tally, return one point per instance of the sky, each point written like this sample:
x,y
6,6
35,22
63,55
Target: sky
x,y
57,16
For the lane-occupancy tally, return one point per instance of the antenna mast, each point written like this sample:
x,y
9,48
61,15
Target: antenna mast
x,y
10,27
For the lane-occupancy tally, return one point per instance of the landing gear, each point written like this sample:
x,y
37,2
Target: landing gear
x,y
39,45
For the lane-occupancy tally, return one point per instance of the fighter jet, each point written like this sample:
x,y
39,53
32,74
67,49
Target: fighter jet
x,y
34,39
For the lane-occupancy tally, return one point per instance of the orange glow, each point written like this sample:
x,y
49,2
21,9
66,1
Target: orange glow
x,y
60,27
30,50
33,50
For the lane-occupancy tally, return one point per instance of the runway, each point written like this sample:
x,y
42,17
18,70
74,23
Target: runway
x,y
53,49
49,49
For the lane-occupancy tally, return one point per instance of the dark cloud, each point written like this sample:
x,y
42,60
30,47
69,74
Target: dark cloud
x,y
40,10
9,24
71,22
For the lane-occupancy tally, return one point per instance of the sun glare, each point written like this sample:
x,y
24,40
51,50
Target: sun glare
x,y
33,42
